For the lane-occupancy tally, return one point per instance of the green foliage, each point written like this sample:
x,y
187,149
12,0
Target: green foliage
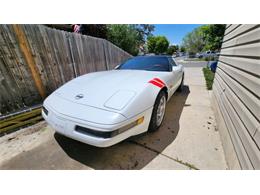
x,y
209,77
213,36
130,38
143,31
194,41
124,36
172,49
95,30
203,38
210,58
182,49
157,44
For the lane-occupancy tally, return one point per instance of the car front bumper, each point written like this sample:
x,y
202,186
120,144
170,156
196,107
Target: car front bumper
x,y
66,125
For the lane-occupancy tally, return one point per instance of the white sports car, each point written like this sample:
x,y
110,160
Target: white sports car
x,y
104,108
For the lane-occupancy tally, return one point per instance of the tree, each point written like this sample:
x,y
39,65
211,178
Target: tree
x,y
95,30
124,36
143,31
203,38
157,44
194,41
130,38
172,49
213,36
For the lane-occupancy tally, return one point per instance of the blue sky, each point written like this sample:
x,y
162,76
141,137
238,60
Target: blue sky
x,y
174,32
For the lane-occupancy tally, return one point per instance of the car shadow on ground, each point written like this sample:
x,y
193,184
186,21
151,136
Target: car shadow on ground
x,y
135,152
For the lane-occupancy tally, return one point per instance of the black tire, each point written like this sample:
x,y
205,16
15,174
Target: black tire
x,y
153,125
180,88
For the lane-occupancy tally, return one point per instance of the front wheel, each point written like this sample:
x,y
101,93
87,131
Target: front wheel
x,y
158,112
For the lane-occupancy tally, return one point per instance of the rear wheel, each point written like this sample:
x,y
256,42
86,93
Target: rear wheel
x,y
158,112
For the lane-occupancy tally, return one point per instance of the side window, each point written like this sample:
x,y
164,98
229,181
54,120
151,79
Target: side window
x,y
172,62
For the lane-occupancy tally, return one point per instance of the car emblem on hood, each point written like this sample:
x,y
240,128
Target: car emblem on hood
x,y
79,96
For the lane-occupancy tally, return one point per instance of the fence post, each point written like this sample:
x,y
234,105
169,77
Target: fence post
x,y
24,46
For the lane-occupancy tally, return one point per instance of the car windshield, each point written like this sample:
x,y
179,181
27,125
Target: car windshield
x,y
146,63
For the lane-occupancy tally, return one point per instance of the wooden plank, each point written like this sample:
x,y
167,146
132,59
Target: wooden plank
x,y
89,60
99,54
25,114
21,124
53,63
28,56
85,63
36,46
20,70
17,119
10,97
29,32
79,58
52,81
62,56
65,56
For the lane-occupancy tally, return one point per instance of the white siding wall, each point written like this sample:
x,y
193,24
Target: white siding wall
x,y
236,93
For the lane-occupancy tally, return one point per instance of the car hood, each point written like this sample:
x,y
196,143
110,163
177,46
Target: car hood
x,y
110,90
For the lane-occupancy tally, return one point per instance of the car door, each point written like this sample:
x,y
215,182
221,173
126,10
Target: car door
x,y
179,72
175,76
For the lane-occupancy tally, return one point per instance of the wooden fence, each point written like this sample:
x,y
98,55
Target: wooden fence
x,y
236,91
57,56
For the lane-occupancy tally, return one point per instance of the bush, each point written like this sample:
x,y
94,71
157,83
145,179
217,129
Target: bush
x,y
210,58
209,77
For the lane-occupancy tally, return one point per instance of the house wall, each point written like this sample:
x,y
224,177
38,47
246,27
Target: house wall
x,y
236,93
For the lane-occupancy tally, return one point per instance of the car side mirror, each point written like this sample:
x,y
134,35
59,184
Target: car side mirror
x,y
174,68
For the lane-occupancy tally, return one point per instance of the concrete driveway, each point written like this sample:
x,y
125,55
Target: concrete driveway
x,y
187,139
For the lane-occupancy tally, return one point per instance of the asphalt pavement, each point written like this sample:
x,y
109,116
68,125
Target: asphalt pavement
x,y
191,62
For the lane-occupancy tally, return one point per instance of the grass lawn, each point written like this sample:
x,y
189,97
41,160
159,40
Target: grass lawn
x,y
209,77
